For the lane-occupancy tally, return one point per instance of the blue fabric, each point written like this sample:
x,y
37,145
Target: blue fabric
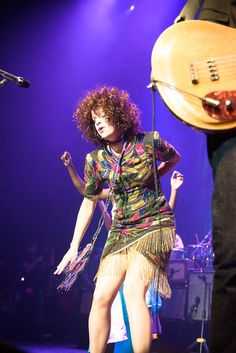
x,y
124,346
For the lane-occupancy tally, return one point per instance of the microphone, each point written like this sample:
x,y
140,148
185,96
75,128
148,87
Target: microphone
x,y
20,81
194,308
196,304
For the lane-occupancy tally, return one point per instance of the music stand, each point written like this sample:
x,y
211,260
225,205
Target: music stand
x,y
201,341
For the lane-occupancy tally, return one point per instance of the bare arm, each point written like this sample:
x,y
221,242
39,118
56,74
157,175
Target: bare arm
x,y
76,179
165,167
176,181
83,220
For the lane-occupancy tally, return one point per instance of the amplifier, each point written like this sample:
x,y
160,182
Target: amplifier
x,y
175,307
199,295
178,270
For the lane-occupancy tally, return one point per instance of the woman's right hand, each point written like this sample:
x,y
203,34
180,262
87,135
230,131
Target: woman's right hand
x,y
67,259
67,159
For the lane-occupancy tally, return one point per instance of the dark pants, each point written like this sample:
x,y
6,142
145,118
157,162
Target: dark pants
x,y
222,153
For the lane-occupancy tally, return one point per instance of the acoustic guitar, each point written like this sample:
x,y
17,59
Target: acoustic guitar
x,y
194,70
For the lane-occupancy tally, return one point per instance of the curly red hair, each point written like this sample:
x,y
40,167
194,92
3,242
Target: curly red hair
x,y
116,104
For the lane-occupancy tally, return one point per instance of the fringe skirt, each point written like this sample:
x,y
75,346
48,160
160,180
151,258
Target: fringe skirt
x,y
150,253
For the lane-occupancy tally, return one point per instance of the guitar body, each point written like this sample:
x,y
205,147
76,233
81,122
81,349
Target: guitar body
x,y
194,70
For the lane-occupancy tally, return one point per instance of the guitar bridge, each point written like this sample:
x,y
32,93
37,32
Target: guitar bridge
x,y
211,64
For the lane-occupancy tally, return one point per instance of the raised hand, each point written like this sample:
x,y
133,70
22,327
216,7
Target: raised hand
x,y
176,180
66,158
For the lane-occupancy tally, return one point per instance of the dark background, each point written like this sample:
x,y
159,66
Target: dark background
x,y
65,48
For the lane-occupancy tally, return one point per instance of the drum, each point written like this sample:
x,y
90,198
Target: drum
x,y
177,254
198,254
209,257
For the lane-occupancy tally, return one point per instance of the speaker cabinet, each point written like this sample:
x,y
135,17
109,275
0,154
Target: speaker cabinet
x,y
175,307
178,270
199,295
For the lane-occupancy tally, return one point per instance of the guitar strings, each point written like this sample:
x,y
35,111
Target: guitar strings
x,y
215,66
219,63
163,83
217,59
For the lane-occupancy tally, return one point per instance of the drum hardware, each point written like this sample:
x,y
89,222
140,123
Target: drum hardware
x,y
202,253
197,253
177,254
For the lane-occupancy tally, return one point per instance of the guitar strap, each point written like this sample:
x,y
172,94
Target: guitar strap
x,y
189,10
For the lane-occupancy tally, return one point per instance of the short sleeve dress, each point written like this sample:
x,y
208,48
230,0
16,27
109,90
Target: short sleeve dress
x,y
143,222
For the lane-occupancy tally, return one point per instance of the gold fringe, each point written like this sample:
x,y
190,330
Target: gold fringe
x,y
150,253
161,240
115,264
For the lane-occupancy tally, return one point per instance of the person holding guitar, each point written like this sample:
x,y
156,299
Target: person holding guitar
x,y
222,156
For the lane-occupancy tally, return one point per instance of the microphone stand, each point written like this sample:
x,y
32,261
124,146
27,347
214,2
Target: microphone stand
x,y
7,76
3,82
154,88
201,340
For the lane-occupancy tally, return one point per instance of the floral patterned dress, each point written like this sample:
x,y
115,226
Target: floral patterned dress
x,y
142,220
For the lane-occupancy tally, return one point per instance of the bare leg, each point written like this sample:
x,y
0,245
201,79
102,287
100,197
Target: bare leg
x,y
100,317
139,315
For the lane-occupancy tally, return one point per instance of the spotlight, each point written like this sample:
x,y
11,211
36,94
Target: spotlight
x,y
131,8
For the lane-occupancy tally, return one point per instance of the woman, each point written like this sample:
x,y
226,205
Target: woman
x,y
119,332
143,230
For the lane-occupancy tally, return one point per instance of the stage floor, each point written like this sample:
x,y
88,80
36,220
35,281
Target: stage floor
x,y
57,347
176,337
45,347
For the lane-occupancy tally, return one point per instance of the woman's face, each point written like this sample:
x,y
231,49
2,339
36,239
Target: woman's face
x,y
105,129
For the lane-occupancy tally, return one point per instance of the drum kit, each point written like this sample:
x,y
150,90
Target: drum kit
x,y
201,254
